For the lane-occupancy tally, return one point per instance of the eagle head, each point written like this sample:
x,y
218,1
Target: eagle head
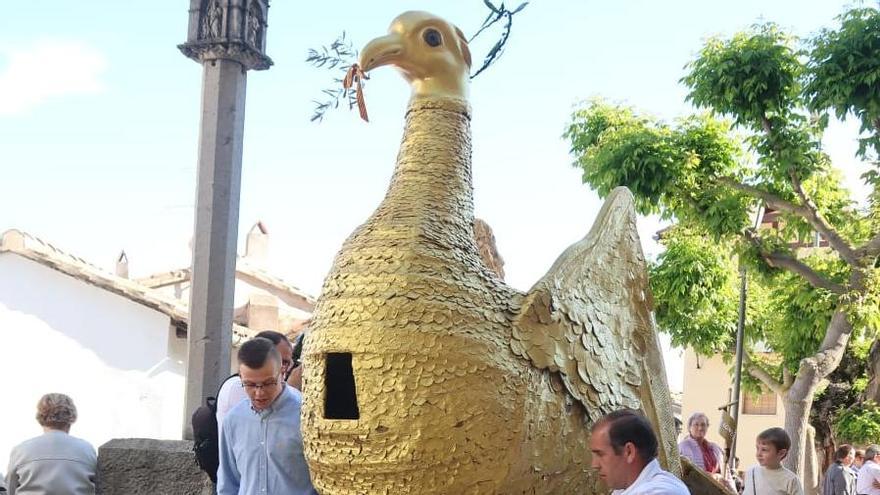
x,y
431,53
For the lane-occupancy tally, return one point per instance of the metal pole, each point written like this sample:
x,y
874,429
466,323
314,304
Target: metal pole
x,y
737,377
740,331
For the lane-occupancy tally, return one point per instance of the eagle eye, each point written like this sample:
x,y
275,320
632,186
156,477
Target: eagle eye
x,y
432,37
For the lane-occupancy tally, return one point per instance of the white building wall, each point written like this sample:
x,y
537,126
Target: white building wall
x,y
120,361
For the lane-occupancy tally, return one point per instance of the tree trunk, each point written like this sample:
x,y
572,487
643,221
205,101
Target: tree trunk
x,y
872,392
797,415
811,464
798,398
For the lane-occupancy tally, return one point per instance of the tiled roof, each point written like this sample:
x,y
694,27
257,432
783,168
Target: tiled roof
x,y
289,294
35,249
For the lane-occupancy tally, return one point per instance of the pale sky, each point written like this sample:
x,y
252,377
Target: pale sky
x,y
99,118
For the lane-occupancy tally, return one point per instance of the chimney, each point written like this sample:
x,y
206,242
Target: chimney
x,y
122,265
256,249
262,312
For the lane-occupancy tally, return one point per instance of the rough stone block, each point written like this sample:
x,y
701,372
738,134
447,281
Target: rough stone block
x,y
141,466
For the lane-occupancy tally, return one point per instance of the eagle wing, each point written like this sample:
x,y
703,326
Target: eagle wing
x,y
590,319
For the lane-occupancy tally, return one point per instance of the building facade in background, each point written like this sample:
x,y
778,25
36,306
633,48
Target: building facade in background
x,y
708,385
117,346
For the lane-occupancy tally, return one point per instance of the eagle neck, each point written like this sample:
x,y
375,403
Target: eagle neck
x,y
431,190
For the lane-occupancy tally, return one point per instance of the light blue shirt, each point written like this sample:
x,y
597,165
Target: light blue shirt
x,y
261,453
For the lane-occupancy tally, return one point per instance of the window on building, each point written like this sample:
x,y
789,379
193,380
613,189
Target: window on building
x,y
763,403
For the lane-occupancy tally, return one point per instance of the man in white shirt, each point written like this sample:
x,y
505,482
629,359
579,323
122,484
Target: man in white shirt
x,y
869,475
624,450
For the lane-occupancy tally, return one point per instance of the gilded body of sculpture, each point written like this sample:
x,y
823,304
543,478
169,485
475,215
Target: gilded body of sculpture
x,y
425,373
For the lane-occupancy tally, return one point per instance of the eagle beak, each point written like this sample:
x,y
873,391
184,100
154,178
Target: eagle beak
x,y
381,51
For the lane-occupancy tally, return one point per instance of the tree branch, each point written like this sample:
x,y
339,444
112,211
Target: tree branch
x,y
765,123
869,249
761,374
792,264
807,211
788,262
818,366
810,212
787,378
769,199
818,222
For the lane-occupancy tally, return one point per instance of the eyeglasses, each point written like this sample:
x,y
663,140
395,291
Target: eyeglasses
x,y
252,387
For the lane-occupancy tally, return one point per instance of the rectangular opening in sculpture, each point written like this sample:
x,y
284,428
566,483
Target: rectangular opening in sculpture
x,y
340,399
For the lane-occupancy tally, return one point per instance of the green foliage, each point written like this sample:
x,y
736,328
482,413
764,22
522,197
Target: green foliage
x,y
834,201
859,385
843,73
767,101
863,307
615,146
770,363
754,78
860,347
802,312
710,152
694,285
671,170
859,425
791,147
750,77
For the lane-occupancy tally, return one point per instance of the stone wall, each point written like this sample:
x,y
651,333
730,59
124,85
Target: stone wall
x,y
143,466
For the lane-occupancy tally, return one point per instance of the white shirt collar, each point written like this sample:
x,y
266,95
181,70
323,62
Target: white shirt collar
x,y
648,472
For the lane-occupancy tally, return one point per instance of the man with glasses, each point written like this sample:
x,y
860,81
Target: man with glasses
x,y
261,449
231,392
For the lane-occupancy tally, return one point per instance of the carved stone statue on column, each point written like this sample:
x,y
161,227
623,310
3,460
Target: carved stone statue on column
x,y
228,29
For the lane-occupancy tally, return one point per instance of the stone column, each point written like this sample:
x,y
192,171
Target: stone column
x,y
228,38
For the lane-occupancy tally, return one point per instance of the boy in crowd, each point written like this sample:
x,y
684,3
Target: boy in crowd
x,y
769,477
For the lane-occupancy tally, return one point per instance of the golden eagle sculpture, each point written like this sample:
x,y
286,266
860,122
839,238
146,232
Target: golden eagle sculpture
x,y
424,372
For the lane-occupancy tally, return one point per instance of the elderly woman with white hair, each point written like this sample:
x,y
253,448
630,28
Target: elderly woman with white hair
x,y
54,462
706,455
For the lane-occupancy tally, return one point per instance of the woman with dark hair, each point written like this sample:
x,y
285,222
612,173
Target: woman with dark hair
x,y
54,462
704,454
840,478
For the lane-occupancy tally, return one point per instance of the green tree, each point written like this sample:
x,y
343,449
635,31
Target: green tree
x,y
767,98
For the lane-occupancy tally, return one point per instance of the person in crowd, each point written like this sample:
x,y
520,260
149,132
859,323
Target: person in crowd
x,y
840,478
706,455
624,450
295,377
737,475
868,479
54,462
857,463
261,449
769,476
231,392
